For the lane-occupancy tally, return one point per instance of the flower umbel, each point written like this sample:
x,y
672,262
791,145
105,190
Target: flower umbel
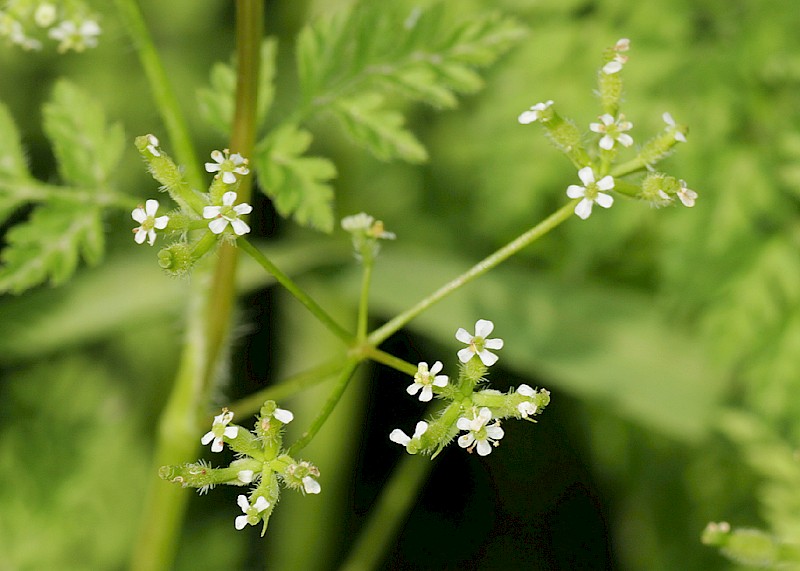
x,y
478,344
72,36
591,192
535,113
479,434
251,512
220,216
427,379
613,131
220,429
227,165
146,217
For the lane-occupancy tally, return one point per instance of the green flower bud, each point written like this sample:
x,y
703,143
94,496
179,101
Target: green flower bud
x,y
176,259
566,136
610,90
659,189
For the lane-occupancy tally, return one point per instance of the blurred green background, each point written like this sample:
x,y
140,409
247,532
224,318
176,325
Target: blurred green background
x,y
668,338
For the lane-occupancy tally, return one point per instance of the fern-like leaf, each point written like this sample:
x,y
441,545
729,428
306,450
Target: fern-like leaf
x,y
297,184
13,169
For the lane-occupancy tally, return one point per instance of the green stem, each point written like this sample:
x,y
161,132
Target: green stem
x,y
363,303
291,386
163,93
390,360
295,290
382,333
327,409
397,499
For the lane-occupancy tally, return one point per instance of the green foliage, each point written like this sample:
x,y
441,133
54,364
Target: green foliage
x,y
67,225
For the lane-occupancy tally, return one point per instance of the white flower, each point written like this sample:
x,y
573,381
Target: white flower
x,y
71,36
479,434
246,476
283,415
152,146
526,408
534,113
686,195
679,136
251,512
220,216
478,343
146,217
613,131
311,486
227,165
362,224
45,15
403,439
220,429
590,192
426,380
619,60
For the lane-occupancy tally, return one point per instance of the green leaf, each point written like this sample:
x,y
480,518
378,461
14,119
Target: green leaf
x,y
48,245
296,184
87,149
379,130
216,103
12,164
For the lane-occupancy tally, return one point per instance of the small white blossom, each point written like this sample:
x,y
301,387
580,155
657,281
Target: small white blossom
x,y
686,195
146,217
303,474
220,216
220,429
283,415
426,379
227,165
152,145
311,486
613,131
619,60
45,15
478,344
74,36
246,476
403,439
534,113
363,224
478,433
526,408
590,192
679,136
251,512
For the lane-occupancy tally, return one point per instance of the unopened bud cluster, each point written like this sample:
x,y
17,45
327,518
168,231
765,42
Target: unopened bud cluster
x,y
72,25
202,218
261,464
598,167
476,414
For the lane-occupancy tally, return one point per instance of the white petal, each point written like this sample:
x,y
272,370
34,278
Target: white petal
x,y
440,381
484,448
228,177
625,140
680,137
465,354
399,437
243,503
466,440
283,415
485,415
606,183
151,207
139,215
420,428
612,67
463,336
241,522
483,328
242,208
211,212
139,236
607,143
604,200
426,395
575,191
311,485
607,119
240,227
528,117
437,366
463,423
161,222
237,158
261,504
525,390
218,225
586,174
493,344
212,167
231,432
667,117
229,198
216,446
217,156
151,236
413,388
495,432
207,437
597,128
488,359
245,476
584,209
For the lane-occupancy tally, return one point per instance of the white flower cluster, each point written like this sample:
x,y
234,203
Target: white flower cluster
x,y
69,24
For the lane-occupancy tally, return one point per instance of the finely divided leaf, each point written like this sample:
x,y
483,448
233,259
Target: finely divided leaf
x,y
87,149
297,185
13,168
380,130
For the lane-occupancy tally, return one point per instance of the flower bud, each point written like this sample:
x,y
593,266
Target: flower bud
x,y
176,259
